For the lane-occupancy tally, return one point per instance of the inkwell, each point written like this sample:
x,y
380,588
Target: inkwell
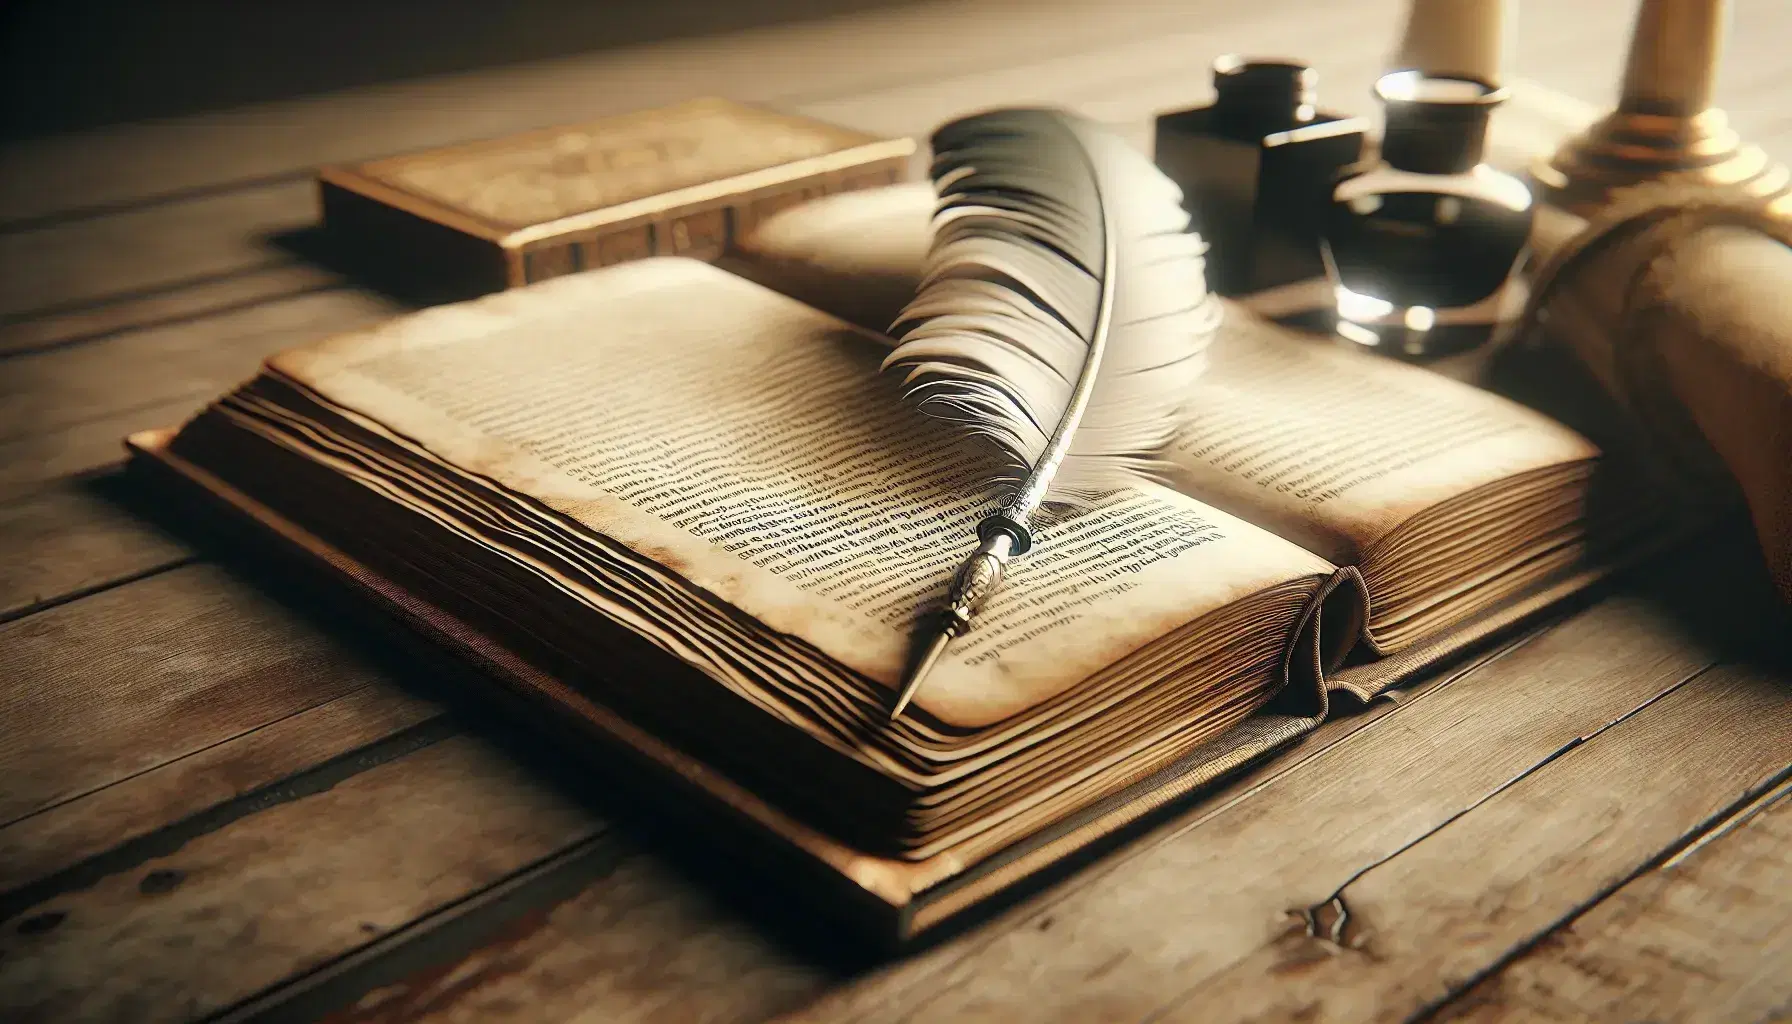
x,y
1256,168
1421,241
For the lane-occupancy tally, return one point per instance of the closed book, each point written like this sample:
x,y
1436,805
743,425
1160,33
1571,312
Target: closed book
x,y
680,180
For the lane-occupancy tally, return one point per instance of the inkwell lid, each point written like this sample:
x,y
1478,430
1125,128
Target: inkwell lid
x,y
1435,124
1256,97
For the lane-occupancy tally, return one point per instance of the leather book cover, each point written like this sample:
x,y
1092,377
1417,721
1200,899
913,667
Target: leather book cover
x,y
885,901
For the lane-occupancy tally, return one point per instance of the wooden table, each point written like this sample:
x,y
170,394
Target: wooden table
x,y
221,800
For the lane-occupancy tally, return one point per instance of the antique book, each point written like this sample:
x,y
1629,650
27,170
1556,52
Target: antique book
x,y
684,518
672,181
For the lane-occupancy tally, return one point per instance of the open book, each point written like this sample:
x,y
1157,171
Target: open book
x,y
665,498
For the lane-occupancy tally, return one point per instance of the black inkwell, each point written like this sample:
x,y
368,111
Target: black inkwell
x,y
1256,169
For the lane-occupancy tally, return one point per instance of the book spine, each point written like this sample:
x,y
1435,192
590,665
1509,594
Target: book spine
x,y
703,233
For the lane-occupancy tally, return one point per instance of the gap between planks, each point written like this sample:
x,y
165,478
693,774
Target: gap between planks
x,y
107,688
1411,933
824,57
1704,936
1199,895
286,889
530,981
82,825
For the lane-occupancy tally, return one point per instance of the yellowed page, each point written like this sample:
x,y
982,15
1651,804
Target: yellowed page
x,y
1334,448
748,443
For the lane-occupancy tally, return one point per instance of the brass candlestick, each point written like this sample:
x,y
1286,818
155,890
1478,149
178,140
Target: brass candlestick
x,y
1664,129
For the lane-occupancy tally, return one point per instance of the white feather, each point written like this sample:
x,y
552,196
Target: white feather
x,y
1001,328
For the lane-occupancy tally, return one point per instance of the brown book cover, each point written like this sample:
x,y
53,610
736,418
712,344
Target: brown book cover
x,y
886,901
680,180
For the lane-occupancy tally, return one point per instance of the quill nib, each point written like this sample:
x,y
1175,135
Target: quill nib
x,y
935,647
975,580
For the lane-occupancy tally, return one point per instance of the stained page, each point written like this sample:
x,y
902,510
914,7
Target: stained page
x,y
748,443
1334,448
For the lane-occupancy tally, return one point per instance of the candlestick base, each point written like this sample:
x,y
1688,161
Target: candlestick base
x,y
1627,148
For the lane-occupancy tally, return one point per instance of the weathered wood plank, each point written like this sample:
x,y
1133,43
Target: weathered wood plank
x,y
164,63
525,971
821,58
42,844
226,230
187,301
45,392
72,539
67,411
283,890
223,235
30,462
59,265
1409,932
1135,79
1705,936
1208,889
125,681
636,942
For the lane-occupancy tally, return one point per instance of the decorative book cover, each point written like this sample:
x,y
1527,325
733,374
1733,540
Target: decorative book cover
x,y
680,180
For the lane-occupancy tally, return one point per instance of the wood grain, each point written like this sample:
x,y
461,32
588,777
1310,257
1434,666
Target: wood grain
x,y
817,59
54,267
44,393
558,958
125,681
39,845
188,300
1409,932
1206,891
74,538
94,447
236,692
1704,937
192,244
641,943
284,890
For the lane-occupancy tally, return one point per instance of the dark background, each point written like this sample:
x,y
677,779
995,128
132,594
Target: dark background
x,y
73,64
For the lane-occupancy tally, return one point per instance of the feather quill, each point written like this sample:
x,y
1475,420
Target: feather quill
x,y
1062,315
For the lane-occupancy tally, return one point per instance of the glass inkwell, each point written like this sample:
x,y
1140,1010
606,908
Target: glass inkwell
x,y
1421,242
